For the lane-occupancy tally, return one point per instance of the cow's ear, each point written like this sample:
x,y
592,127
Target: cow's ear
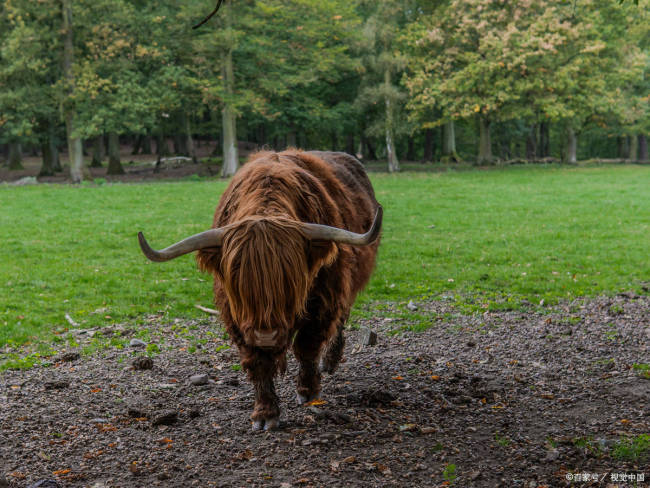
x,y
209,259
321,253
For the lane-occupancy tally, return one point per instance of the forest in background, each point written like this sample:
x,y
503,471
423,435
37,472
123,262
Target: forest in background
x,y
474,80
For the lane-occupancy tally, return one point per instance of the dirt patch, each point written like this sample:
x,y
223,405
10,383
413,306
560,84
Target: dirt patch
x,y
501,399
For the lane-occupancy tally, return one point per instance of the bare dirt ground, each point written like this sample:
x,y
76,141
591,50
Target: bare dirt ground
x,y
507,399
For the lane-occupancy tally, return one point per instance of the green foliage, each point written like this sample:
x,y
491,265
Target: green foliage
x,y
449,473
634,449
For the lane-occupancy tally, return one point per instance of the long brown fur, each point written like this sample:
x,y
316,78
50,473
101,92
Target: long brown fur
x,y
269,277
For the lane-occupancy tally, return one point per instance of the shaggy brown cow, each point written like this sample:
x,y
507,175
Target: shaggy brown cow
x,y
288,255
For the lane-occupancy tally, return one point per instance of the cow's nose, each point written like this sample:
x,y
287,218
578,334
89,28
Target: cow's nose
x,y
266,338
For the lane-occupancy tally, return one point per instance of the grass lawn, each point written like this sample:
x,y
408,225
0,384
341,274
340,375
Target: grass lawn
x,y
487,238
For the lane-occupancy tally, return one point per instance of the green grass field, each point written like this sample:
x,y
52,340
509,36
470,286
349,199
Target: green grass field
x,y
488,238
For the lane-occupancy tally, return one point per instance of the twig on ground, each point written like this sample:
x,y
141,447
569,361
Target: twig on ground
x,y
211,311
71,321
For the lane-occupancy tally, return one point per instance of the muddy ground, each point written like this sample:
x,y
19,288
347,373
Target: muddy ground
x,y
509,399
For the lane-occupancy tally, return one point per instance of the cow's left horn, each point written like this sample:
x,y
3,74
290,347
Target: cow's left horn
x,y
209,238
326,233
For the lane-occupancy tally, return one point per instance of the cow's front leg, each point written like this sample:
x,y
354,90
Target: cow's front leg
x,y
333,352
306,347
261,367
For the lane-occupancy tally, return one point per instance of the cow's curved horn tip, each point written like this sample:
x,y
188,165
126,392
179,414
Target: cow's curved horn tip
x,y
145,247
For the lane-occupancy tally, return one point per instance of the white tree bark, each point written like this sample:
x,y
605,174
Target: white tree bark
x,y
572,146
228,117
75,150
393,162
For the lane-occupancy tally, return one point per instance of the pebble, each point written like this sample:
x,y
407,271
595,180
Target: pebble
x,y
45,484
142,363
56,385
368,337
136,411
165,417
137,343
411,306
199,379
68,357
552,455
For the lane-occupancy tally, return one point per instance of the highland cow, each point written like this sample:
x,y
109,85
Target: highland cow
x,y
294,240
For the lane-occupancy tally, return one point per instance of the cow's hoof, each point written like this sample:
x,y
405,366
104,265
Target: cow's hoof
x,y
302,399
268,424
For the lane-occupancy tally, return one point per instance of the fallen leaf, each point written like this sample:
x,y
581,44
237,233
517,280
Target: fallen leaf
x,y
398,378
625,421
548,396
60,472
383,469
316,402
350,459
435,377
408,427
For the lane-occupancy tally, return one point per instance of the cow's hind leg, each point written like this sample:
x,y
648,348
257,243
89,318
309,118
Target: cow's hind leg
x,y
306,347
261,367
334,352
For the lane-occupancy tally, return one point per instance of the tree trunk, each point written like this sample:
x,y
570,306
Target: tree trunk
x,y
634,148
334,145
114,164
643,147
544,140
391,154
349,143
623,147
230,155
75,147
572,146
15,156
162,148
47,168
369,149
429,138
98,152
54,149
291,139
146,144
137,145
189,141
410,151
485,143
531,144
449,141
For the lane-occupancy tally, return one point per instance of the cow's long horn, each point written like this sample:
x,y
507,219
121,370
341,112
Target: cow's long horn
x,y
326,233
209,238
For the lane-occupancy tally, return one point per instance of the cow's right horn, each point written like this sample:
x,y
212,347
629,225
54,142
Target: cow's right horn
x,y
326,233
209,238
